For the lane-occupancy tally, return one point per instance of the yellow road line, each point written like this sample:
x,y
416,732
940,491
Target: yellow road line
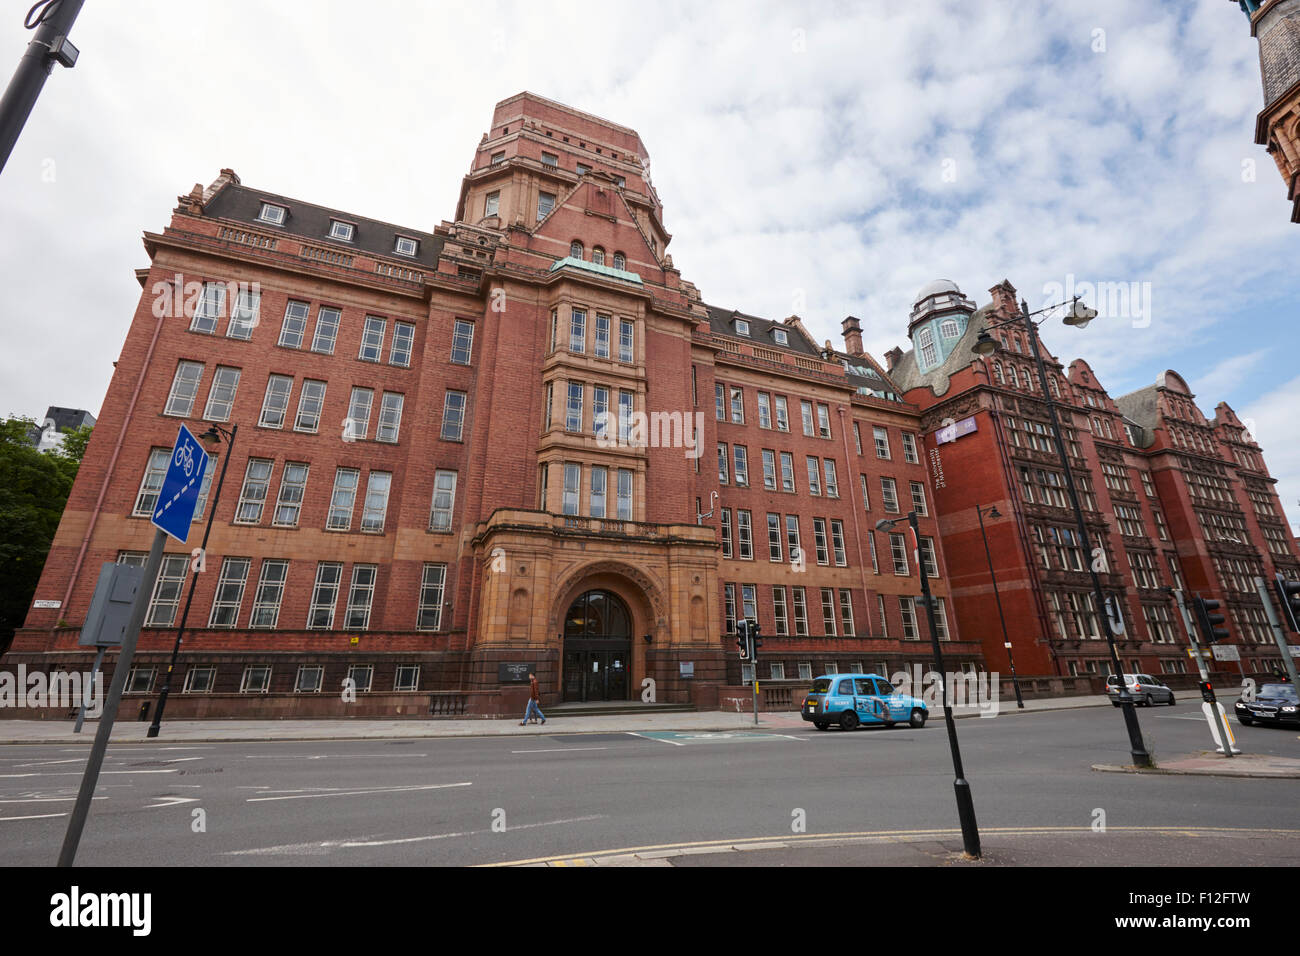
x,y
571,858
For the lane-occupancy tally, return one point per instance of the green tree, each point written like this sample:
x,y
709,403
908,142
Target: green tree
x,y
34,487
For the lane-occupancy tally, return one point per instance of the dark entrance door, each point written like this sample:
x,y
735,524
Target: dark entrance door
x,y
597,648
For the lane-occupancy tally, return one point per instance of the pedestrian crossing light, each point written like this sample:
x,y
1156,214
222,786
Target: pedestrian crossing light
x,y
1288,595
756,635
1209,621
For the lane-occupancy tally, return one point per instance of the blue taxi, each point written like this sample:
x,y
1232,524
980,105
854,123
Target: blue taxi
x,y
853,699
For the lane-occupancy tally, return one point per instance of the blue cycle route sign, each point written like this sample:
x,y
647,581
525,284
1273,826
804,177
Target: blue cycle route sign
x,y
181,485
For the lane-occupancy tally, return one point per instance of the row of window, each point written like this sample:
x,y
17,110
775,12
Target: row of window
x,y
828,542
276,403
577,251
269,589
275,215
790,611
779,336
324,334
575,416
597,335
255,493
256,679
598,490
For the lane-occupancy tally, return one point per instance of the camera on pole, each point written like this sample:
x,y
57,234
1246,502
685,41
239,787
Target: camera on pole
x,y
1209,621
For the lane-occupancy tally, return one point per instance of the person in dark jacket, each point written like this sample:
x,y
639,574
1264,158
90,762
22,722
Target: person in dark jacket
x,y
534,702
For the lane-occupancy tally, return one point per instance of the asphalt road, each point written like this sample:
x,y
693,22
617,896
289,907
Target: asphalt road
x,y
491,800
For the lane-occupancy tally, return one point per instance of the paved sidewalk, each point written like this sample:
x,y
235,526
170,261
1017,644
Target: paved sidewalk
x,y
217,731
1211,764
1173,846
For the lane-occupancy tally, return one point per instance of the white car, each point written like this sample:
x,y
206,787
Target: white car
x,y
1143,688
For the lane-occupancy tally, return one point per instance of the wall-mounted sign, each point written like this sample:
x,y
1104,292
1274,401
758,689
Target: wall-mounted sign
x,y
686,668
1226,652
514,672
954,430
47,605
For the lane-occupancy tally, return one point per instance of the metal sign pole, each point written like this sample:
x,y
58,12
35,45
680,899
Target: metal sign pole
x,y
81,712
91,777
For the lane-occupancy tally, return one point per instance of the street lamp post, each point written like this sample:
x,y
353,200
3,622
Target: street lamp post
x,y
214,433
1078,316
970,833
992,512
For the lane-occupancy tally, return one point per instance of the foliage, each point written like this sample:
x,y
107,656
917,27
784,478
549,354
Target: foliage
x,y
34,488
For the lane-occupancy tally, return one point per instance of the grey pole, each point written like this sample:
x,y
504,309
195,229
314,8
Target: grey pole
x,y
29,79
1216,720
1278,634
1006,641
970,832
1137,747
81,711
91,777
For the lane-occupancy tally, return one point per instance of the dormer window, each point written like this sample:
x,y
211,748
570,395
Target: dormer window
x,y
948,328
597,256
620,261
405,246
575,249
272,213
343,231
780,336
742,327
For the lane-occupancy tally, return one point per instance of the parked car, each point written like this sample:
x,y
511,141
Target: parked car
x,y
1143,688
853,699
1274,704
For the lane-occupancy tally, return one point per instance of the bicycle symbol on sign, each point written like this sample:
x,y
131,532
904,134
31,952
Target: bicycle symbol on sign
x,y
185,458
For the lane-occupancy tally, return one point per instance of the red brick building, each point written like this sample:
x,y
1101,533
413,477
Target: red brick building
x,y
1175,499
487,449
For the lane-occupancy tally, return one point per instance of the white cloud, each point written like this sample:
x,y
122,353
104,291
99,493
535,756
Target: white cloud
x,y
1273,418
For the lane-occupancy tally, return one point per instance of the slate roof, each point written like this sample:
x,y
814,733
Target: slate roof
x,y
721,322
309,221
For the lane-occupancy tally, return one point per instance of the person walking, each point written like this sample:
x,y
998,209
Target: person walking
x,y
534,702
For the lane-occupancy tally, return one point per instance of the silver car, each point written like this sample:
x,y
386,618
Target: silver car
x,y
1143,688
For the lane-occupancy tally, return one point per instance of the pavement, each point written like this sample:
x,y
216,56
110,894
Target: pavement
x,y
227,731
1217,765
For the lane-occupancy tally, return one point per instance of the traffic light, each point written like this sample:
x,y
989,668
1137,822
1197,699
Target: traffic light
x,y
757,635
1209,621
1207,691
742,639
1288,595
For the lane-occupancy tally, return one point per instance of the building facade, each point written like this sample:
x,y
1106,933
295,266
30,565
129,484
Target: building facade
x,y
519,442
1276,25
1173,499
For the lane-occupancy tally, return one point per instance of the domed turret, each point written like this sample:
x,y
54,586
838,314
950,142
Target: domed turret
x,y
939,316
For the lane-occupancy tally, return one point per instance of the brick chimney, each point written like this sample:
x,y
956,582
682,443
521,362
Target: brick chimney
x,y
1004,299
852,335
892,357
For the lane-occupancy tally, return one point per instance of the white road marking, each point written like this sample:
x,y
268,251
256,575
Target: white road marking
x,y
47,799
46,763
34,816
172,802
662,740
328,756
557,750
355,793
78,773
324,846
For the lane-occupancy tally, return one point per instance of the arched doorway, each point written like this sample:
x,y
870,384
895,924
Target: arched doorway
x,y
597,648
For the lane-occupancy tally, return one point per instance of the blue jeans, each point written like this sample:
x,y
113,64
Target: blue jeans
x,y
533,710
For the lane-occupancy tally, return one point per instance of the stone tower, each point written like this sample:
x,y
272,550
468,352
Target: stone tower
x,y
1276,24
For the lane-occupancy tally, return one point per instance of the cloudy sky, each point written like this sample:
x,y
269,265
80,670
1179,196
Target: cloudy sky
x,y
825,159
